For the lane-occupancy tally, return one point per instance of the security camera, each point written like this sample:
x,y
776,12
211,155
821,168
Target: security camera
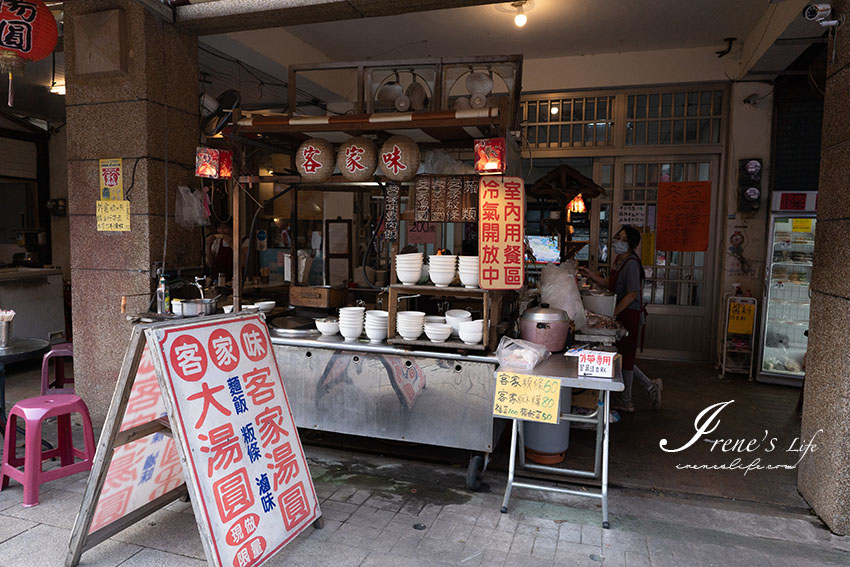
x,y
752,100
817,12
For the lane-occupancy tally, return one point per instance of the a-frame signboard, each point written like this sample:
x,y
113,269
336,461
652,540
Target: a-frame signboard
x,y
200,410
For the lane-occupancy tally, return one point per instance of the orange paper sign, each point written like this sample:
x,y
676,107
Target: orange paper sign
x,y
684,216
501,218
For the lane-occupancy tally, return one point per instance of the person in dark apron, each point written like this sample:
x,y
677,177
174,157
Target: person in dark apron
x,y
626,281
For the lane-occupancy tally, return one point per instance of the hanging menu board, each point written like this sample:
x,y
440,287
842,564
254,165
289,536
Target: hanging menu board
x,y
469,200
438,199
422,199
501,218
454,197
684,216
391,208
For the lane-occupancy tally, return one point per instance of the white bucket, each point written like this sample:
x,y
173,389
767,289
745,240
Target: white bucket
x,y
602,304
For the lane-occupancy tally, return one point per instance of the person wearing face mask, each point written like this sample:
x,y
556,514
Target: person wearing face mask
x,y
626,281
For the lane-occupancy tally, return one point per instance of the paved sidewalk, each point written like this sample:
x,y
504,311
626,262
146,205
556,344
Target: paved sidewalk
x,y
394,513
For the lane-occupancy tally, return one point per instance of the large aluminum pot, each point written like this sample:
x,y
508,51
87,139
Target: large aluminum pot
x,y
545,326
193,307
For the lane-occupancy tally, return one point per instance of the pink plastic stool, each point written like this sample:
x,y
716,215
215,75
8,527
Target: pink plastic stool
x,y
58,352
34,411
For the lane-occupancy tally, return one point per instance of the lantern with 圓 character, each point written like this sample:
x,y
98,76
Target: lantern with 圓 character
x,y
27,33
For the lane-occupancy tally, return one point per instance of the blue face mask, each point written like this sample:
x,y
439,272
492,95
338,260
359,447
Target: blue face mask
x,y
620,247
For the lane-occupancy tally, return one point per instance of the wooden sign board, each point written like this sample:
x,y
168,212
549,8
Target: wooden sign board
x,y
501,232
684,216
742,317
469,200
454,198
391,209
422,199
528,398
213,386
439,195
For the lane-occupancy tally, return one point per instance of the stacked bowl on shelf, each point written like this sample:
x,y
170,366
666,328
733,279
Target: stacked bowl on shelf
x,y
471,332
376,325
455,316
409,324
442,269
351,322
468,269
437,332
408,267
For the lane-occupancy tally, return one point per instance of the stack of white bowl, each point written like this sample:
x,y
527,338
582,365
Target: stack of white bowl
x,y
351,322
435,319
455,316
442,269
437,332
409,324
468,269
408,267
376,325
471,332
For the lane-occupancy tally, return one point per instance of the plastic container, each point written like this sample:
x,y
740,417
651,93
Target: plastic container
x,y
163,297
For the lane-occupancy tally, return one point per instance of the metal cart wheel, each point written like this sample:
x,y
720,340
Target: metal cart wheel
x,y
475,472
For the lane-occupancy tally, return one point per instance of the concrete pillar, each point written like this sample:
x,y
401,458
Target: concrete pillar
x,y
824,475
132,84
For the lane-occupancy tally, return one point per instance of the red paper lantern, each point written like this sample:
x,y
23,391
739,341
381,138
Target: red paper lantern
x,y
490,156
212,163
27,33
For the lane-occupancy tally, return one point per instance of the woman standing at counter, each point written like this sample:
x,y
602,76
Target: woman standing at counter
x,y
626,281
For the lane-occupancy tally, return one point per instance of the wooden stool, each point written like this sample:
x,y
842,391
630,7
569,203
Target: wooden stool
x,y
34,411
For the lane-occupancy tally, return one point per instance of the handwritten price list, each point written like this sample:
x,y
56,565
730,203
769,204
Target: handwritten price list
x,y
530,398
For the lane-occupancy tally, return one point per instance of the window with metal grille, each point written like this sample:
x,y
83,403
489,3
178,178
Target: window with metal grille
x,y
672,278
691,117
572,122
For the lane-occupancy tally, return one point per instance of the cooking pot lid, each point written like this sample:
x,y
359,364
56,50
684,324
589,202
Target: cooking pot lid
x,y
293,327
545,313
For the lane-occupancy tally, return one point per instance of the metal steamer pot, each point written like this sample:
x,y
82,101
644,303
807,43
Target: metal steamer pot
x,y
194,307
545,326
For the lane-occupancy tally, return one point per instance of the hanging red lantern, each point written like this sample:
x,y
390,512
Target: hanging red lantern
x,y
27,33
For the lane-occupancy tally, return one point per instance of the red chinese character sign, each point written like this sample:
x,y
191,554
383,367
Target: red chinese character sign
x,y
684,216
28,32
229,412
357,159
501,232
315,160
399,157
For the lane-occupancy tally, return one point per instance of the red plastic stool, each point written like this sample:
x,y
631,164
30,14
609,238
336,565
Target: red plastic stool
x,y
34,411
58,352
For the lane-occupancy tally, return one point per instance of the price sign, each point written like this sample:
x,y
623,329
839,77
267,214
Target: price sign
x,y
529,398
741,318
633,215
113,215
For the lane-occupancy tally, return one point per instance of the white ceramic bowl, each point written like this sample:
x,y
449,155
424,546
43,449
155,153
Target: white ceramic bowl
x,y
455,316
266,306
377,313
471,332
412,314
376,334
469,278
252,308
438,336
409,277
410,335
442,279
359,310
350,333
327,327
435,319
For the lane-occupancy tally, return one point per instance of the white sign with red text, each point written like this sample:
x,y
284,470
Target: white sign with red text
x,y
596,363
229,412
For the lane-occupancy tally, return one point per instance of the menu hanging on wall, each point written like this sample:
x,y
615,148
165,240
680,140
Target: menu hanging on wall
x,y
438,199
501,217
391,207
454,196
422,199
684,216
469,200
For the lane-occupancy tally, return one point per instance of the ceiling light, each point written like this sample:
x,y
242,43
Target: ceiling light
x,y
520,19
554,109
57,89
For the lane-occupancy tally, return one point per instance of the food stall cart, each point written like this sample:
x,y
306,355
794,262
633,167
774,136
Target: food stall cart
x,y
403,390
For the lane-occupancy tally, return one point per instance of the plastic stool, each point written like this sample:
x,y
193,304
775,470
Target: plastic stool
x,y
58,351
34,411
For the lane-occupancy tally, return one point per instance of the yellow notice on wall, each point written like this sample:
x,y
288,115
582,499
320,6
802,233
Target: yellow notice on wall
x,y
647,248
111,179
113,215
530,398
801,225
741,318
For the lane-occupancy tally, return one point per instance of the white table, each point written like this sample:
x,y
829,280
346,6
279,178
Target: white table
x,y
566,369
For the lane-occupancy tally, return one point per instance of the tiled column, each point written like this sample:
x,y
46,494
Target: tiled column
x,y
824,475
145,112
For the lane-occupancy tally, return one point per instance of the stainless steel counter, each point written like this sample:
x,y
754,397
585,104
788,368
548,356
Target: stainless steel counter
x,y
386,392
